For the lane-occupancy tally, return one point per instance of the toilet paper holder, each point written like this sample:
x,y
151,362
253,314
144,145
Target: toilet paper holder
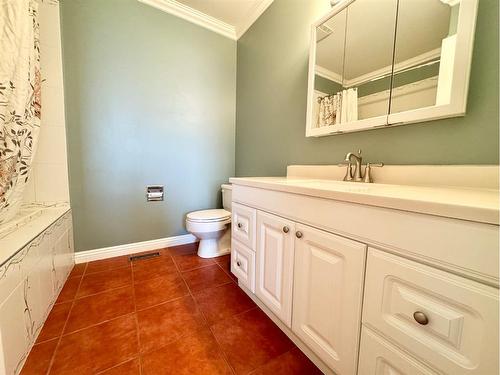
x,y
154,193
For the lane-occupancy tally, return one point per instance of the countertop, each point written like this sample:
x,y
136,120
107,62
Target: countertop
x,y
473,204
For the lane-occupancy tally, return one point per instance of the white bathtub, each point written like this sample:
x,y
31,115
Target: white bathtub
x,y
36,256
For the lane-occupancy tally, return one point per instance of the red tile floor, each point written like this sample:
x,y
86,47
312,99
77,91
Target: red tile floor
x,y
172,314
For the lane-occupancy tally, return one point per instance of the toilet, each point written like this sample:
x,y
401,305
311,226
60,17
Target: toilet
x,y
212,227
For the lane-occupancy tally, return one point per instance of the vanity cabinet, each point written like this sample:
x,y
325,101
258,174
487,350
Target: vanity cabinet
x,y
274,268
327,296
370,290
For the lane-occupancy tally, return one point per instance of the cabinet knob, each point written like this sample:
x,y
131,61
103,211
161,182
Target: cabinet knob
x,y
239,225
298,234
420,318
286,229
238,263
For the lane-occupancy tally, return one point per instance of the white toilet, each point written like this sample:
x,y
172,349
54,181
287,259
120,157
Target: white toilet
x,y
213,227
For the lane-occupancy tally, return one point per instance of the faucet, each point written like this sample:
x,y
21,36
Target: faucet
x,y
358,176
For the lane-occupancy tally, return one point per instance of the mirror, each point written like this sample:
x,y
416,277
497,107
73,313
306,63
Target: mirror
x,y
424,52
384,63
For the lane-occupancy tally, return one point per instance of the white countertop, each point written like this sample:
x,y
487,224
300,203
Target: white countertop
x,y
473,204
28,230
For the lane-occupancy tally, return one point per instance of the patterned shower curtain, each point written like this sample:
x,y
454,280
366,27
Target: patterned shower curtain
x,y
20,104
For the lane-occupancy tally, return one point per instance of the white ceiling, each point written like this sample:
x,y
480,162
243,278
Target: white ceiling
x,y
227,17
233,12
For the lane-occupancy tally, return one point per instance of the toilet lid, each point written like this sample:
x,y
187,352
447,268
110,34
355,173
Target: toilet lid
x,y
209,215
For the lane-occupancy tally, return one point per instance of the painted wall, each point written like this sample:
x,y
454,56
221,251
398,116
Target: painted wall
x,y
272,91
150,99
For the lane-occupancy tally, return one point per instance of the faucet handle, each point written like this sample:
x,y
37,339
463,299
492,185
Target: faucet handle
x,y
348,174
368,177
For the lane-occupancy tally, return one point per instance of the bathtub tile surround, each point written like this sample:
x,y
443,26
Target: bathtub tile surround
x,y
30,282
49,176
159,322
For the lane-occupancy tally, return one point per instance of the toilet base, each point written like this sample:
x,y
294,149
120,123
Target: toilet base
x,y
209,248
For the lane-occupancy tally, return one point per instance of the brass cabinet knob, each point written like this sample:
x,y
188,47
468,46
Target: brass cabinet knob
x,y
298,234
238,263
420,318
286,229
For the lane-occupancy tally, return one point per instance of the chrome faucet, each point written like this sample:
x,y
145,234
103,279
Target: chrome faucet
x,y
357,166
358,175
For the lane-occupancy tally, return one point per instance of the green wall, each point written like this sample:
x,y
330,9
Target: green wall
x,y
271,103
150,99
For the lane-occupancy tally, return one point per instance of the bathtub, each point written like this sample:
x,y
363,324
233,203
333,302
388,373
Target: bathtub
x,y
36,257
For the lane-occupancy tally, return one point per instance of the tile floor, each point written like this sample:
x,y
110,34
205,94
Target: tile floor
x,y
172,314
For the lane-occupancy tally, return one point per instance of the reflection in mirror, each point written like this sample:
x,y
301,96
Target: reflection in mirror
x,y
330,40
354,53
424,53
368,57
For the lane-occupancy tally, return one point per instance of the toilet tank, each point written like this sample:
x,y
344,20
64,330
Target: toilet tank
x,y
226,196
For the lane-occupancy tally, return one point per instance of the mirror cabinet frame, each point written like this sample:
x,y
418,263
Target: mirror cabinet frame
x,y
459,86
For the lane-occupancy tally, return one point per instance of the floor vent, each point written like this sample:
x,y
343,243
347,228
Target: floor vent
x,y
134,258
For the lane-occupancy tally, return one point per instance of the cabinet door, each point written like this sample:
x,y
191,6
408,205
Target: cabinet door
x,y
275,264
328,287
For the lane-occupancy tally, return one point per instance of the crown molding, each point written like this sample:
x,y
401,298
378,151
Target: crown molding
x,y
252,17
328,74
192,15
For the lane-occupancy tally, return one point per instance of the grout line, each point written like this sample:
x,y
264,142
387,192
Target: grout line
x,y
136,321
219,347
119,364
62,331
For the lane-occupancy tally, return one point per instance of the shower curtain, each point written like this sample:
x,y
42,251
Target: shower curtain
x,y
20,104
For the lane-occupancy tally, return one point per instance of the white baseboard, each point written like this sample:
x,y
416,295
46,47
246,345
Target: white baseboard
x,y
131,248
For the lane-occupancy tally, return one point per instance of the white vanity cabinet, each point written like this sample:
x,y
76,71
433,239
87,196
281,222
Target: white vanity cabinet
x,y
327,296
365,289
274,268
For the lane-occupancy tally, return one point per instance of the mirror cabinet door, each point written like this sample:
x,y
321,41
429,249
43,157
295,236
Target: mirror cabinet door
x,y
368,52
328,70
389,62
424,54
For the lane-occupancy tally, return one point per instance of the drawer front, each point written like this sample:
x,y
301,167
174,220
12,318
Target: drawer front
x,y
243,264
379,357
446,320
243,224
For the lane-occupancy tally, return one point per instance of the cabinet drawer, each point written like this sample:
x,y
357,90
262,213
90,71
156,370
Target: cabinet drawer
x,y
446,320
243,264
379,357
243,224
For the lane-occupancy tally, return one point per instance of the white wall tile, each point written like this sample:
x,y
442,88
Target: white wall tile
x,y
52,106
49,180
52,182
50,31
51,145
29,189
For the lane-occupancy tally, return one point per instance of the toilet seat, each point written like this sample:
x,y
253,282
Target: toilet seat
x,y
209,216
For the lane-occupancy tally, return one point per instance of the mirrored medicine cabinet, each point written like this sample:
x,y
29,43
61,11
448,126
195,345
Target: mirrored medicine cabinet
x,y
379,63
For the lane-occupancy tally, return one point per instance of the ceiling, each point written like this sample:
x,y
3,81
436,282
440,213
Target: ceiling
x,y
233,12
230,18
